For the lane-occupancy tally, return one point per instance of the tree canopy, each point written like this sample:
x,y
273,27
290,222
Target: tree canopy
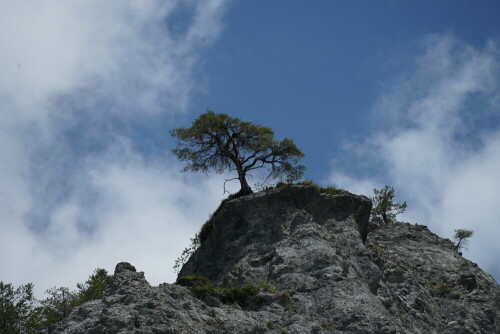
x,y
384,205
221,143
462,238
21,312
17,309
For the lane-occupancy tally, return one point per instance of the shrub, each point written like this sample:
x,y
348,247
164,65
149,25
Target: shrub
x,y
191,281
384,205
287,301
270,325
202,287
17,309
209,224
266,287
206,229
461,236
94,287
442,289
281,184
331,190
187,252
307,183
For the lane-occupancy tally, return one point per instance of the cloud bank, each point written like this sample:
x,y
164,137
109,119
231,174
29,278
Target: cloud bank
x,y
438,144
79,80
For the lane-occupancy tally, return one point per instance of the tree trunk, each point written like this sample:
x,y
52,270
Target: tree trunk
x,y
245,188
384,217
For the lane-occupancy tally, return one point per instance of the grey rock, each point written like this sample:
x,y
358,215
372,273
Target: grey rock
x,y
333,272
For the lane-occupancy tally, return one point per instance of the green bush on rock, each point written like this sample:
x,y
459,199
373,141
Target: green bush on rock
x,y
249,294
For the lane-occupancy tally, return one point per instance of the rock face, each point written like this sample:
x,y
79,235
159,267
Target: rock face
x,y
332,272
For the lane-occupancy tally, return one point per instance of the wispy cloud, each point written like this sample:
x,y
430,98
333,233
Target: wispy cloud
x,y
438,143
78,78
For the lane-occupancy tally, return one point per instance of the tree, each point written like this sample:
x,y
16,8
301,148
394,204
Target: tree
x,y
94,287
17,309
61,301
187,252
384,206
220,142
57,306
461,236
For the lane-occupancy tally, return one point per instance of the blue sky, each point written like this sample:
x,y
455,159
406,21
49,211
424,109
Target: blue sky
x,y
389,92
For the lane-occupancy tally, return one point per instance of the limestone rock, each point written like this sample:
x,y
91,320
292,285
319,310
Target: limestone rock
x,y
332,270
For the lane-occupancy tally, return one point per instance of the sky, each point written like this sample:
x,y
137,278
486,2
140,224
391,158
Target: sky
x,y
375,93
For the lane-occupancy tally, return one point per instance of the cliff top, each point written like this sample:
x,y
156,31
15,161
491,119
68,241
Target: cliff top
x,y
296,260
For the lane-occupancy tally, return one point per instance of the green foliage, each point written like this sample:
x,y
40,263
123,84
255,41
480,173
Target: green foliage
x,y
188,251
462,238
61,301
94,287
270,325
266,287
248,294
442,289
20,312
191,281
17,309
281,184
222,143
198,239
229,295
307,183
439,289
287,301
56,306
384,205
206,229
331,190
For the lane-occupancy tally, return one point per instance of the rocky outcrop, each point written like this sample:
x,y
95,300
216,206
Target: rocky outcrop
x,y
331,271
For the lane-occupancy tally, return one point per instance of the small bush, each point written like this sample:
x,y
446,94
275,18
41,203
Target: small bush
x,y
206,229
461,236
287,301
209,224
442,289
191,281
384,206
331,190
270,325
187,252
201,287
307,183
266,287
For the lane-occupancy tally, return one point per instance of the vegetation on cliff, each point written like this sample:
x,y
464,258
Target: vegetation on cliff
x,y
221,143
21,312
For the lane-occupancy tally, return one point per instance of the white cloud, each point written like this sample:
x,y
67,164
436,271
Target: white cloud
x,y
144,212
440,143
75,193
